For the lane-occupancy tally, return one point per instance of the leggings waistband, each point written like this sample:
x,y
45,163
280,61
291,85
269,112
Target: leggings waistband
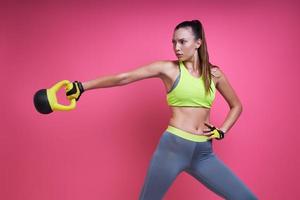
x,y
186,135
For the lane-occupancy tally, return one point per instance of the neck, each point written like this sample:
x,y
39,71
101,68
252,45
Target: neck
x,y
193,63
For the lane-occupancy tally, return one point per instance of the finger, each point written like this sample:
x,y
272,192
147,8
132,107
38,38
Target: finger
x,y
208,125
206,130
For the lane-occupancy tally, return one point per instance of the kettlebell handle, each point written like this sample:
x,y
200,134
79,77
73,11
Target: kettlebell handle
x,y
51,93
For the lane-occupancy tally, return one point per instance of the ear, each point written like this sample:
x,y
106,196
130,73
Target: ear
x,y
198,43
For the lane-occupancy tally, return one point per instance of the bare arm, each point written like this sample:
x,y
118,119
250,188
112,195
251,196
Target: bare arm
x,y
153,69
226,90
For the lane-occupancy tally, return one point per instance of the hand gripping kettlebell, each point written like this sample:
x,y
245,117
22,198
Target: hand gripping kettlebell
x,y
45,100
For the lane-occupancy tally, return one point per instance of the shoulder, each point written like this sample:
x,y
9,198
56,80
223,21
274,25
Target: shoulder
x,y
168,66
163,64
217,74
168,63
216,71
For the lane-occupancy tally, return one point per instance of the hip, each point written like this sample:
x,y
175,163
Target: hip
x,y
186,134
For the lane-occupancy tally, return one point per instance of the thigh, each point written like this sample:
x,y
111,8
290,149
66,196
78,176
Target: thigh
x,y
216,176
165,165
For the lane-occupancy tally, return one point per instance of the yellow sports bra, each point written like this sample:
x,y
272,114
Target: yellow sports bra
x,y
188,90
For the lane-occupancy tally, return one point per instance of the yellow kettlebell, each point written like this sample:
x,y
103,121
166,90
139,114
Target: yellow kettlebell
x,y
45,100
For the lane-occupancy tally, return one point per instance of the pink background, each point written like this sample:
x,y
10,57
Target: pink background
x,y
102,149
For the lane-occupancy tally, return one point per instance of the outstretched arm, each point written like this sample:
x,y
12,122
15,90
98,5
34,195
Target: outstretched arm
x,y
104,81
153,69
226,90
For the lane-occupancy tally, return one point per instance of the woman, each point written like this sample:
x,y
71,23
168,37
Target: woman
x,y
186,145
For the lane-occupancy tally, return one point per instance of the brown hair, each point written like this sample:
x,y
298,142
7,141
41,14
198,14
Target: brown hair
x,y
205,65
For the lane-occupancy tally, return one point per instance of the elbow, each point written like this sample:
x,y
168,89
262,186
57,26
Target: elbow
x,y
238,106
241,108
122,79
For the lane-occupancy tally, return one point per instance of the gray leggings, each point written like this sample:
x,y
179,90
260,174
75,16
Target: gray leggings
x,y
175,154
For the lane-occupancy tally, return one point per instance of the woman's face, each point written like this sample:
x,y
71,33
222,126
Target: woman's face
x,y
184,44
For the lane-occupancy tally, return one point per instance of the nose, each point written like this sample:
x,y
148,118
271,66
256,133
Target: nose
x,y
177,47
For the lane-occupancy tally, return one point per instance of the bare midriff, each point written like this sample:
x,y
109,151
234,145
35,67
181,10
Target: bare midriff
x,y
190,119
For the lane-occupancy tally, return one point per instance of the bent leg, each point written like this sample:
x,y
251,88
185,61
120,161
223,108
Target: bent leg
x,y
217,177
165,165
